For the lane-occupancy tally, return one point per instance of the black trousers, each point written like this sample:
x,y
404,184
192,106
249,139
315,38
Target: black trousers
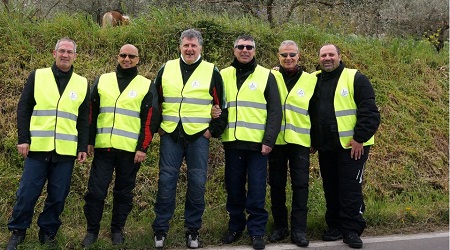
x,y
298,158
342,184
103,166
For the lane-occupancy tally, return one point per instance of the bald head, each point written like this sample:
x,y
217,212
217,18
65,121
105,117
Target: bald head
x,y
128,56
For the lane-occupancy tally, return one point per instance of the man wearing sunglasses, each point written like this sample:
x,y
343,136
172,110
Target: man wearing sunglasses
x,y
254,120
292,146
188,88
52,123
123,122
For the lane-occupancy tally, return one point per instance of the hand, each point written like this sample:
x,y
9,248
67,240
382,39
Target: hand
x,y
90,151
81,157
161,132
312,150
215,111
23,149
139,157
207,134
357,149
266,149
276,68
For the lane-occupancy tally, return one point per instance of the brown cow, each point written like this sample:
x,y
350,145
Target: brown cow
x,y
114,18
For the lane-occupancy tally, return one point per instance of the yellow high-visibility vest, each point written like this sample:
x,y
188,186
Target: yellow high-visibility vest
x,y
247,107
119,122
345,107
191,102
296,123
53,124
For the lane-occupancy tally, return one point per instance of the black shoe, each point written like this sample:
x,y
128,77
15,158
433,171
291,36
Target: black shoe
x,y
258,242
299,239
117,238
231,237
279,234
16,238
332,234
353,240
193,239
89,240
48,239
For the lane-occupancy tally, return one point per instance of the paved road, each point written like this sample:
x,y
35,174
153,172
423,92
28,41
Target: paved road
x,y
424,241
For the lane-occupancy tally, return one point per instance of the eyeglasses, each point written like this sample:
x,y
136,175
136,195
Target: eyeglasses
x,y
241,47
129,56
288,54
63,51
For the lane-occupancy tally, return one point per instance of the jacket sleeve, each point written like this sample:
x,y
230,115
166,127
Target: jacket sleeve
x,y
94,111
368,116
150,119
274,114
218,125
25,110
83,123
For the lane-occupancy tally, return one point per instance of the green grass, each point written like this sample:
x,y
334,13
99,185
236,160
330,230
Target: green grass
x,y
406,179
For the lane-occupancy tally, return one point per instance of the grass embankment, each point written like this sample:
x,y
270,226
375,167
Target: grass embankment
x,y
406,184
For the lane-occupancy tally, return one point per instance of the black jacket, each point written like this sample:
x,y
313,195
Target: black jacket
x,y
25,110
148,114
216,126
324,134
274,111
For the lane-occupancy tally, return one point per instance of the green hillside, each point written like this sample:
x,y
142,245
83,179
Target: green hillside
x,y
406,179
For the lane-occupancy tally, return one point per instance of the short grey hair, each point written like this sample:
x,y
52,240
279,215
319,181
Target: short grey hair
x,y
287,43
66,39
245,38
191,34
338,50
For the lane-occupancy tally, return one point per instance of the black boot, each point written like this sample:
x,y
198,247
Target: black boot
x,y
16,238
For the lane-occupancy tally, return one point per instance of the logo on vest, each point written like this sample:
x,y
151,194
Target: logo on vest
x,y
132,94
301,93
344,92
252,86
195,84
73,95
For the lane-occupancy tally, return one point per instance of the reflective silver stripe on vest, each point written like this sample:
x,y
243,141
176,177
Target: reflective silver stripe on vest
x,y
296,109
125,133
67,115
297,129
66,137
104,130
173,99
346,112
346,133
44,112
251,125
195,120
120,132
47,133
42,133
119,111
196,101
61,114
247,104
282,127
171,118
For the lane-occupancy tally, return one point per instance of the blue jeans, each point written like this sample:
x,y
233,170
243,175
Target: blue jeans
x,y
171,156
242,165
35,173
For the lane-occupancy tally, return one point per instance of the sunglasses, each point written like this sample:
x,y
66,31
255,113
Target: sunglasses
x,y
241,47
288,54
129,56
